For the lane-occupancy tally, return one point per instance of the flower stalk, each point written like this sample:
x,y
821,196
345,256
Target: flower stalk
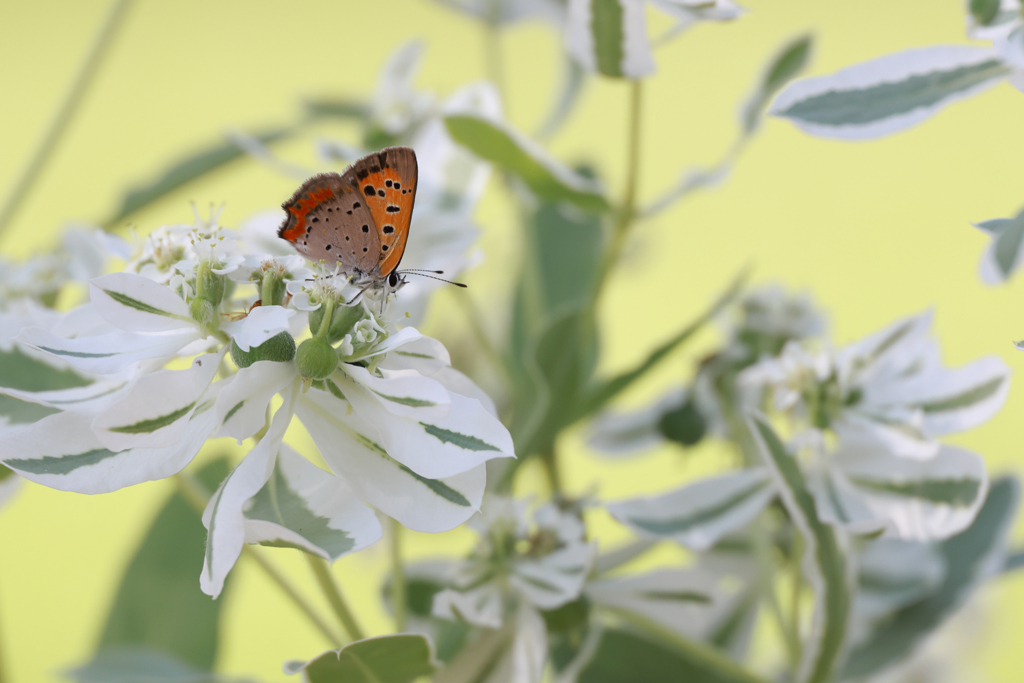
x,y
398,598
321,570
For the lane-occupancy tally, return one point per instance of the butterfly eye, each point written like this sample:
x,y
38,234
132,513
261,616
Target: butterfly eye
x,y
393,280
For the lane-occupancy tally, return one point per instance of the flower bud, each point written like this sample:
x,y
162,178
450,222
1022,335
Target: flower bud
x,y
280,348
316,358
343,319
202,311
210,285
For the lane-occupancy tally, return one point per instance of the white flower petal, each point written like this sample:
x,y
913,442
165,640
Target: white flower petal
x,y
701,513
107,354
433,447
352,448
555,579
62,452
921,500
224,517
262,323
305,506
242,404
137,304
480,606
155,411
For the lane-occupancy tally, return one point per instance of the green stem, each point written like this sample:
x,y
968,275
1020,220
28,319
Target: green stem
x,y
794,598
627,210
325,324
3,661
550,459
68,108
472,314
766,574
397,575
495,63
322,572
197,495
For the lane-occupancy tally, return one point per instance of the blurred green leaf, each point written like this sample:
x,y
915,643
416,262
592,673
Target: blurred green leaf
x,y
984,11
27,373
185,171
139,665
971,557
824,562
520,156
5,472
159,603
685,425
624,656
554,339
565,100
605,390
789,62
387,659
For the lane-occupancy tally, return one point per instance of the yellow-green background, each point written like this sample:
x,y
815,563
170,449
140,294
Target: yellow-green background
x,y
875,230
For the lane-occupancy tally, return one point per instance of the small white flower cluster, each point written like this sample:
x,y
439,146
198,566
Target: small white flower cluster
x,y
400,429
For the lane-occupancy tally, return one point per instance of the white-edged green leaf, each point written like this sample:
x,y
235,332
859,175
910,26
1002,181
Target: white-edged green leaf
x,y
480,606
825,564
565,99
36,373
889,93
305,507
137,304
399,658
510,150
139,665
960,399
155,411
1004,255
701,513
224,518
242,404
557,578
613,559
353,449
893,574
62,451
158,602
918,500
628,433
609,37
110,353
783,68
431,445
971,557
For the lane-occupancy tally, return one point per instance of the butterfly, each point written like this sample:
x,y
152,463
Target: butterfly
x,y
358,219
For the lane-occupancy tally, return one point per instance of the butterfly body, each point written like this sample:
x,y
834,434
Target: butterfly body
x,y
358,219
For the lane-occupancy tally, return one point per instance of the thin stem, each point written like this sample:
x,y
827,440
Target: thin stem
x,y
472,314
764,559
627,210
495,62
3,661
66,112
197,495
797,579
397,575
322,572
550,460
286,587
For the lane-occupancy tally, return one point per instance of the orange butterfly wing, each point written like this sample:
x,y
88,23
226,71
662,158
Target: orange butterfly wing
x,y
388,182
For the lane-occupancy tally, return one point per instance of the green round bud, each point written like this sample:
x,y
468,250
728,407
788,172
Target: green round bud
x,y
685,424
279,348
202,311
316,359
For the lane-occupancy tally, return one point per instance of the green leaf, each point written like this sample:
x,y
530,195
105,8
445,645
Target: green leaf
x,y
159,603
516,154
606,390
789,62
824,565
187,170
624,656
336,109
971,557
463,441
609,36
1008,238
685,425
388,659
139,665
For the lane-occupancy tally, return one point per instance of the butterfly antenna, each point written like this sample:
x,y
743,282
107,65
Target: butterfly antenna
x,y
424,274
358,294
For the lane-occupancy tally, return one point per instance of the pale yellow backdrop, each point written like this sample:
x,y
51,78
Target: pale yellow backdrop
x,y
876,230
